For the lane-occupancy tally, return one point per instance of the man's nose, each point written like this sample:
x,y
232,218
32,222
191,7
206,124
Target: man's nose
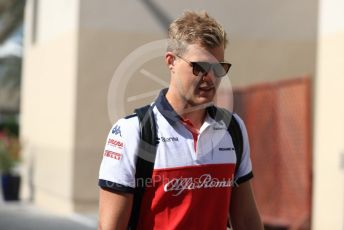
x,y
210,76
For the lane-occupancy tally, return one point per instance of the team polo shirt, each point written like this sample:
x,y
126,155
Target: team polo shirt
x,y
193,173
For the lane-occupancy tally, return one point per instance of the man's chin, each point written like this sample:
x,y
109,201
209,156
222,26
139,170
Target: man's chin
x,y
205,97
199,101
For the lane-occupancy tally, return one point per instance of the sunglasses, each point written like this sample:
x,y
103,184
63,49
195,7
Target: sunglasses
x,y
202,68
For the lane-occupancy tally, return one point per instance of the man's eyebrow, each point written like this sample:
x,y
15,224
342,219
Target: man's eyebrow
x,y
209,61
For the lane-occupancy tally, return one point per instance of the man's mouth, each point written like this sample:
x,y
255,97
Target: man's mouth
x,y
206,88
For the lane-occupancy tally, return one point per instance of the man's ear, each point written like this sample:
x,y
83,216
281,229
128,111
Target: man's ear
x,y
169,60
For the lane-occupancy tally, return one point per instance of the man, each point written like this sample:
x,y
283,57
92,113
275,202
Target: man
x,y
193,176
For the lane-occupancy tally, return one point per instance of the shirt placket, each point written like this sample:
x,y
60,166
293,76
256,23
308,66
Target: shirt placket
x,y
194,132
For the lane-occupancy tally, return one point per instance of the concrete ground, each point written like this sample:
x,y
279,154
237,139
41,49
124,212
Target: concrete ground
x,y
24,216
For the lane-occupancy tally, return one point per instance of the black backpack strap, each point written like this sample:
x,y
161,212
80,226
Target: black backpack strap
x,y
236,134
145,159
233,127
234,130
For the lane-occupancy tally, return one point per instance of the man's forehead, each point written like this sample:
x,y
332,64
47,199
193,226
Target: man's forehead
x,y
196,50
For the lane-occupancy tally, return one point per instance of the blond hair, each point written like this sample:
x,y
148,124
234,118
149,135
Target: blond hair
x,y
195,28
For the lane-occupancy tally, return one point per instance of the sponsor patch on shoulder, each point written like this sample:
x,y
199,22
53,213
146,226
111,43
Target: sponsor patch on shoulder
x,y
115,143
113,155
116,130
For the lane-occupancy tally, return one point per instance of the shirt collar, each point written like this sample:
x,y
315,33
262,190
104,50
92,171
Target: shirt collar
x,y
171,116
165,107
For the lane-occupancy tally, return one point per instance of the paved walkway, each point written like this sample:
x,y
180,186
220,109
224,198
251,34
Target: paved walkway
x,y
23,216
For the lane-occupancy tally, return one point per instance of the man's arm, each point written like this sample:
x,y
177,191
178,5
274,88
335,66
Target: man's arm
x,y
243,210
114,210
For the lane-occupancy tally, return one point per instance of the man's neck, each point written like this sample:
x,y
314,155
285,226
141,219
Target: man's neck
x,y
196,114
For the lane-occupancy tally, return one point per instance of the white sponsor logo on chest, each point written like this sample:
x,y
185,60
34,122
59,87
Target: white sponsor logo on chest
x,y
178,185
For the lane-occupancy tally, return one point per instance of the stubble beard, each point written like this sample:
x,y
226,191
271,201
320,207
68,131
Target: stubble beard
x,y
194,102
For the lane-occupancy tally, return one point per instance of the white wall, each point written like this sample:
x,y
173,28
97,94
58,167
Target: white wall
x,y
48,103
328,187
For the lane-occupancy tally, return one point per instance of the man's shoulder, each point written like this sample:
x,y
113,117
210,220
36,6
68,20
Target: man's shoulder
x,y
133,115
126,126
239,120
133,120
225,114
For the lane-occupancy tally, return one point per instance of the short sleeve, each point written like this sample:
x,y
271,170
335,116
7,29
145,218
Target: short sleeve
x,y
117,169
244,172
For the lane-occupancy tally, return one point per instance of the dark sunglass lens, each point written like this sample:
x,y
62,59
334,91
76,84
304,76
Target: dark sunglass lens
x,y
221,69
200,68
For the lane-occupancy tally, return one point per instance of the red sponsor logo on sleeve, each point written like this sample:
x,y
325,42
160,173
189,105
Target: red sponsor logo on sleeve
x,y
115,143
114,155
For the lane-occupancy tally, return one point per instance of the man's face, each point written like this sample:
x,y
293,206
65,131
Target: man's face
x,y
196,90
